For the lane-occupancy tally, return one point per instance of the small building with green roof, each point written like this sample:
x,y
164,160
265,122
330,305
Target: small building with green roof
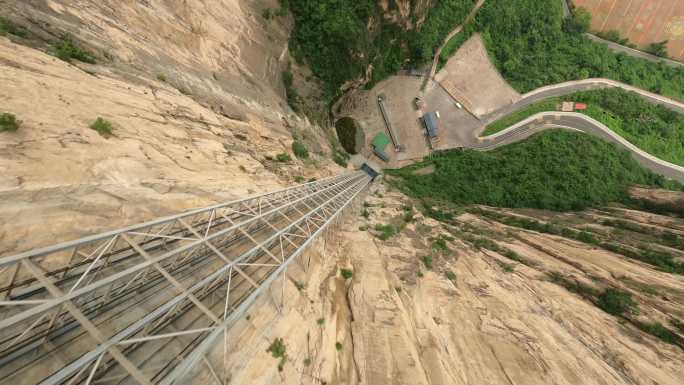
x,y
379,144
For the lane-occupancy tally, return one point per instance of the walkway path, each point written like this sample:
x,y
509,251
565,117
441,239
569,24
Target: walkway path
x,y
451,34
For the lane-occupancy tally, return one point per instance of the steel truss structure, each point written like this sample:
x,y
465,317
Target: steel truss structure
x,y
146,303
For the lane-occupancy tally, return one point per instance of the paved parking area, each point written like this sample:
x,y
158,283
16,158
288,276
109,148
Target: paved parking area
x,y
457,127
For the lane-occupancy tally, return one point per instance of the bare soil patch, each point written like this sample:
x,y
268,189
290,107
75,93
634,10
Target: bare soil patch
x,y
471,78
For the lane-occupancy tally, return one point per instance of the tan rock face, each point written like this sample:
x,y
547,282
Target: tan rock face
x,y
495,321
170,150
218,48
402,11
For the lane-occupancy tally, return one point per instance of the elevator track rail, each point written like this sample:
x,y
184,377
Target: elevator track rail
x,y
145,304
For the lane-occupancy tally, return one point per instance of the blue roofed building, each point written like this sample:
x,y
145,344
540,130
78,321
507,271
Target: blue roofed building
x,y
430,120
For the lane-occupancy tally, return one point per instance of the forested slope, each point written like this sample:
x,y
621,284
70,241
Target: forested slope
x,y
343,39
532,46
557,170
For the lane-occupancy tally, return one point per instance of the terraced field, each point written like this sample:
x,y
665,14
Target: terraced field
x,y
641,21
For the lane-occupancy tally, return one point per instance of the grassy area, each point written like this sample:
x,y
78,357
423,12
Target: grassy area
x,y
652,128
505,122
532,45
557,170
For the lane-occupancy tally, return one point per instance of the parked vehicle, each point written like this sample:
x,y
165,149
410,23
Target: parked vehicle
x,y
418,102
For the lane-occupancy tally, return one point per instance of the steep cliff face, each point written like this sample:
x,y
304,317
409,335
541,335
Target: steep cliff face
x,y
468,314
193,91
221,49
194,94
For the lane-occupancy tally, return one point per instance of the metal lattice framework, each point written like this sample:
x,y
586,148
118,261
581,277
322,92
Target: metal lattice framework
x,y
146,303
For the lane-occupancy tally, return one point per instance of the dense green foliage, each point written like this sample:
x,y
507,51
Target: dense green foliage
x,y
346,273
556,170
658,330
653,128
529,41
66,49
300,150
102,126
293,98
658,49
441,20
617,302
579,22
532,45
8,27
332,35
340,39
614,36
8,122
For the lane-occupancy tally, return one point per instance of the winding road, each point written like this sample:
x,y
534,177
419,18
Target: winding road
x,y
576,121
579,122
571,121
570,87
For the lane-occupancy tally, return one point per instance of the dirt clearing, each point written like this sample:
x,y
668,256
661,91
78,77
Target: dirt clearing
x,y
471,78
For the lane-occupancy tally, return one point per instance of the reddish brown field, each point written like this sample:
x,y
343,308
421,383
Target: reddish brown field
x,y
641,21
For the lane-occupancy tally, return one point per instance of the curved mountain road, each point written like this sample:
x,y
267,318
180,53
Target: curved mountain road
x,y
570,87
579,122
575,121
